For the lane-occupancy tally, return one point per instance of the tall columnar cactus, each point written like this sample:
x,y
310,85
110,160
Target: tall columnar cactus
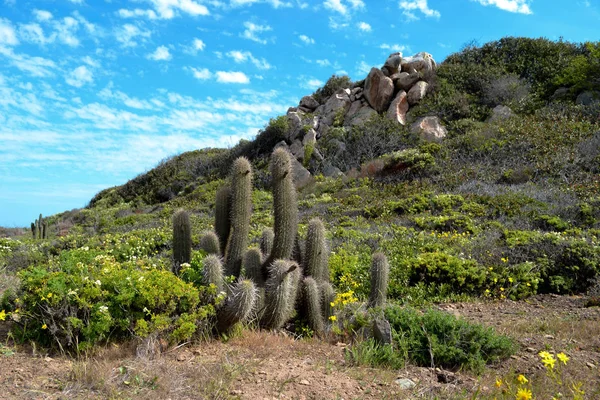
x,y
39,227
327,298
312,296
241,210
238,305
285,206
33,229
212,272
280,293
316,254
223,215
253,266
182,239
210,243
44,226
380,271
266,241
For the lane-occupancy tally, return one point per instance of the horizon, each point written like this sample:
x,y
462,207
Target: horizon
x,y
93,94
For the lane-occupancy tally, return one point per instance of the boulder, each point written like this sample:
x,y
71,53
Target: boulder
x,y
310,137
562,93
379,90
354,107
301,175
295,125
361,116
588,98
336,107
500,113
405,81
297,149
421,62
429,129
382,331
392,64
309,102
331,171
417,92
399,108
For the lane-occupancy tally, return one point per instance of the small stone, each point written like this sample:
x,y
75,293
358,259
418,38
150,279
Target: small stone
x,y
548,337
236,392
181,357
531,350
405,383
304,382
591,365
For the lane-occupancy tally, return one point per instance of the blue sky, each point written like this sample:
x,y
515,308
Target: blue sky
x,y
94,92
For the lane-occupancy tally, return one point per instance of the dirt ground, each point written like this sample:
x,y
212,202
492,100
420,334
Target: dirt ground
x,y
260,365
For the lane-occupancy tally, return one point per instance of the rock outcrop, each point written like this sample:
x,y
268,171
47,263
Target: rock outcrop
x,y
399,84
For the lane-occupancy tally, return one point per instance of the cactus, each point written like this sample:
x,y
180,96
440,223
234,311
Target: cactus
x,y
210,243
316,254
380,270
241,210
285,206
280,293
252,264
299,250
327,297
182,239
33,229
44,226
39,227
213,272
222,215
266,241
312,296
238,306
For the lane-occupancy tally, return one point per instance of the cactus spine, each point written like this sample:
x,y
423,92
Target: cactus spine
x,y
213,272
182,240
238,306
316,256
312,295
241,210
210,243
253,266
285,206
380,271
266,241
280,292
222,215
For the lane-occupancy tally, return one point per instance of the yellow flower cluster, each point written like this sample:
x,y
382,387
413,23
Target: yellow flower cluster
x,y
343,299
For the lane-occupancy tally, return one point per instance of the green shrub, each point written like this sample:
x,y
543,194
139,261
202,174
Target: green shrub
x,y
332,85
438,338
453,222
463,276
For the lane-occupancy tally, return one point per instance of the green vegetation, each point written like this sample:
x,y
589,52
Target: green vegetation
x,y
499,210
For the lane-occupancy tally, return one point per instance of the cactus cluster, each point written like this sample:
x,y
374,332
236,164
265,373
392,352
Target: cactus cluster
x,y
182,240
39,228
285,276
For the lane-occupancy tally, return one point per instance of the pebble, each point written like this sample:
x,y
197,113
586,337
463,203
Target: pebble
x,y
304,382
405,383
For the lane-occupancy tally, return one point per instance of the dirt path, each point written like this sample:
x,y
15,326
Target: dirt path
x,y
260,365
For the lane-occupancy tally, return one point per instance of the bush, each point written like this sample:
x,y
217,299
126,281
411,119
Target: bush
x,y
434,338
332,85
84,297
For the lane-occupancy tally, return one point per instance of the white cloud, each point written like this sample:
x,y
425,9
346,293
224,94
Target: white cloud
x,y
357,4
243,56
335,25
363,68
410,6
166,9
35,66
160,54
252,31
42,15
201,74
515,6
198,44
124,13
363,26
323,63
80,76
232,77
306,39
127,35
313,84
34,33
8,35
274,3
336,5
65,31
394,47
132,102
76,1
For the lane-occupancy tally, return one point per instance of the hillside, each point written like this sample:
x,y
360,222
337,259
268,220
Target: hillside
x,y
502,208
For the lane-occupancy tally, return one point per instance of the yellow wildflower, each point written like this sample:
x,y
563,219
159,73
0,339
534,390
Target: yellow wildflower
x,y
549,362
44,326
510,279
544,354
524,394
49,295
562,357
498,382
522,380
2,315
333,318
